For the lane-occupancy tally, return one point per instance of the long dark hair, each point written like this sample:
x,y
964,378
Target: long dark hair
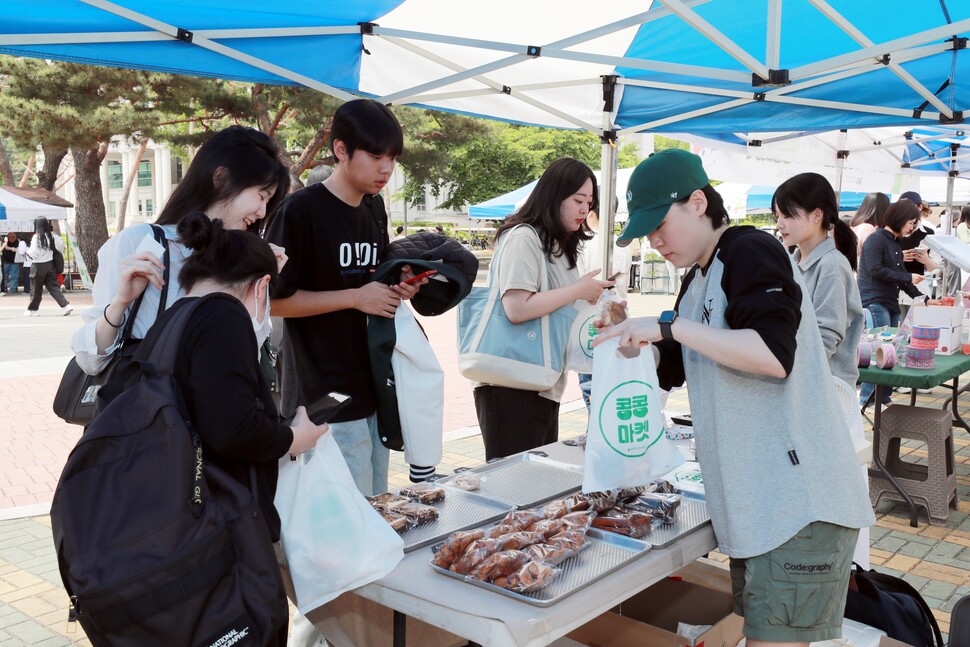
x,y
249,157
811,191
227,256
43,228
872,210
563,178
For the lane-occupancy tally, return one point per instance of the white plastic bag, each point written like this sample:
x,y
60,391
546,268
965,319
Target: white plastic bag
x,y
419,384
625,442
579,348
333,540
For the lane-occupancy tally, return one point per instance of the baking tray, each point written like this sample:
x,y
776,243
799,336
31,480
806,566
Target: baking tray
x,y
691,515
526,480
459,510
605,553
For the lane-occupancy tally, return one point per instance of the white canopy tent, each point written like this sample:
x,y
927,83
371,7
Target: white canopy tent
x,y
17,213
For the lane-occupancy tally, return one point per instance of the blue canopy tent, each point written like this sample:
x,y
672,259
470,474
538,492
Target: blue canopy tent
x,y
503,205
759,199
702,66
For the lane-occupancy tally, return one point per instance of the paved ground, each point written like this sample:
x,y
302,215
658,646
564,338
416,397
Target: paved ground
x,y
34,445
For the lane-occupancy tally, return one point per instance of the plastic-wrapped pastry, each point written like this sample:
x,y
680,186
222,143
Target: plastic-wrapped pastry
x,y
601,501
422,514
659,506
625,522
499,530
579,520
574,540
424,493
466,481
661,487
476,552
399,522
531,577
454,547
387,502
549,527
548,553
611,309
627,493
576,502
519,540
522,519
500,564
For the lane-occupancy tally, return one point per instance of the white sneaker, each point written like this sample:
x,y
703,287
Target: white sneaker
x,y
68,309
3,294
31,313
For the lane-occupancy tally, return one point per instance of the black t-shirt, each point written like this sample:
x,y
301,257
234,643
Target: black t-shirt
x,y
9,256
331,246
912,242
228,400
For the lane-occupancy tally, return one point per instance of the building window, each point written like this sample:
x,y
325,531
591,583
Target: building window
x,y
419,203
115,178
144,173
177,174
113,209
149,209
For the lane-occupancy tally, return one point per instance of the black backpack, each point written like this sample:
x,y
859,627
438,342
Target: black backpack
x,y
889,603
155,545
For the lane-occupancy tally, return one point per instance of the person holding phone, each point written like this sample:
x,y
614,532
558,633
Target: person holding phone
x,y
237,177
515,420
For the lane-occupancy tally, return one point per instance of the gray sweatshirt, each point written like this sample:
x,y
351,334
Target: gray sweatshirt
x,y
775,453
838,307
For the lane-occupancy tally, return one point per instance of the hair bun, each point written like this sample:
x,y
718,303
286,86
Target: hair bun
x,y
196,230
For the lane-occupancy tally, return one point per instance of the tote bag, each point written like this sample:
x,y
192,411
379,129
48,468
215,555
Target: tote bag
x,y
625,442
333,540
579,349
493,350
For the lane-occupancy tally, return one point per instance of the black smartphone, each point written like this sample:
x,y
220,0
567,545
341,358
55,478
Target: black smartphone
x,y
682,419
324,409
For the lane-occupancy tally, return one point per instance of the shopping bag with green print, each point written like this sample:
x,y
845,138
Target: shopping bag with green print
x,y
579,349
625,441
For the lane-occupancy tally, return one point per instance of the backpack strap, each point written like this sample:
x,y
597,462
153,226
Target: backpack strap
x,y
159,235
164,351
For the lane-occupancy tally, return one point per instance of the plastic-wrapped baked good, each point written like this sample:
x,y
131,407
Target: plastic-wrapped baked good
x,y
579,520
530,577
522,519
500,564
423,493
499,530
387,502
661,487
454,547
519,540
548,553
574,540
625,522
659,506
466,481
476,552
549,527
576,502
601,501
627,493
422,514
610,308
555,509
399,522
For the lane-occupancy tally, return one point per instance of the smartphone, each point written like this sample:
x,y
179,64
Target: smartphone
x,y
613,276
324,409
682,419
422,275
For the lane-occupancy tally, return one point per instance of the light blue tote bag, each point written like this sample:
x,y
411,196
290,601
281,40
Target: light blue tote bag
x,y
493,350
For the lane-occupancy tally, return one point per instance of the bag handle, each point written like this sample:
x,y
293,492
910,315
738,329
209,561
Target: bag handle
x,y
543,276
159,234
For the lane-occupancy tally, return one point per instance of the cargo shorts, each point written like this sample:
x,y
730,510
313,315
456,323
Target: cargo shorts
x,y
796,592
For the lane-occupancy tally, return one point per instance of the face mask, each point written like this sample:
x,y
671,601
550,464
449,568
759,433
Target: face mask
x,y
265,327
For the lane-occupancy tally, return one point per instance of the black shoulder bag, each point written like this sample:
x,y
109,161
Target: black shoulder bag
x,y
76,400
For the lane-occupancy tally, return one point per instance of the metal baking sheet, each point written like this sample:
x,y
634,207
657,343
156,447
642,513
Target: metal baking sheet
x,y
526,480
605,553
459,510
691,515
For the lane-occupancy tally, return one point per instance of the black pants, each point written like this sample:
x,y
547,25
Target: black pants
x,y
513,420
42,276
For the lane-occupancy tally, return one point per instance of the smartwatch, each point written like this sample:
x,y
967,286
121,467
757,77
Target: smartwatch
x,y
667,318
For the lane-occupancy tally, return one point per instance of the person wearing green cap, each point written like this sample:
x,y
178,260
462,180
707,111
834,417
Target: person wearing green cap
x,y
782,483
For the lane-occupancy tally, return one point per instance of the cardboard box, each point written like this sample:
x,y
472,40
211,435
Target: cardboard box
x,y
950,321
651,616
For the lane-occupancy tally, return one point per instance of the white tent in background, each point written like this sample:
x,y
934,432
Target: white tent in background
x,y
19,207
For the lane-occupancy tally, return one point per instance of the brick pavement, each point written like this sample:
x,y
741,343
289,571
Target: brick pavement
x,y
34,444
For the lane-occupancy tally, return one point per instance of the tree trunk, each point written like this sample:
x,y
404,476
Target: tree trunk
x,y
90,224
129,181
47,176
28,170
6,169
310,151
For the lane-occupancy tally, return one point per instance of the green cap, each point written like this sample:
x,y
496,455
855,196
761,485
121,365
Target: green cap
x,y
656,183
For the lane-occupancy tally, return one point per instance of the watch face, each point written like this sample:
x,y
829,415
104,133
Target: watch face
x,y
667,316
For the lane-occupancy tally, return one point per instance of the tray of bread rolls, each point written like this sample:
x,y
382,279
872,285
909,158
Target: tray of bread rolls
x,y
523,480
601,554
424,513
